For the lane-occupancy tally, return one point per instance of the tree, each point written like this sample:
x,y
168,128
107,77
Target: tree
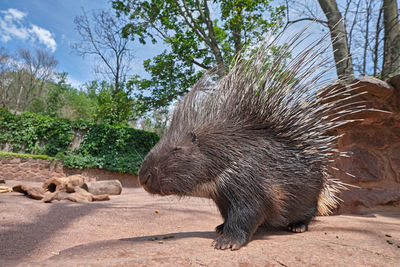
x,y
359,28
24,76
4,78
391,56
81,104
102,38
198,38
39,69
113,108
341,51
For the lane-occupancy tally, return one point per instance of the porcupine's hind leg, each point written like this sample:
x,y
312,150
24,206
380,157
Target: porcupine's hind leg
x,y
298,227
301,226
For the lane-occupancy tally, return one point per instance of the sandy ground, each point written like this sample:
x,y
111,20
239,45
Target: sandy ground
x,y
126,231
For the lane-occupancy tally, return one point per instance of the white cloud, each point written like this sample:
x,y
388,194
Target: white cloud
x,y
74,82
12,13
11,26
44,36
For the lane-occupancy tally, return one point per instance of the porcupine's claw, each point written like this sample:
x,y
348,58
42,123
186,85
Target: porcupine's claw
x,y
224,242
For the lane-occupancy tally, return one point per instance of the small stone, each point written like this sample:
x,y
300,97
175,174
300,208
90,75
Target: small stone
x,y
15,161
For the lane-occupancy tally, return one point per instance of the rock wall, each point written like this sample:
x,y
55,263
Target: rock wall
x,y
374,148
39,170
30,169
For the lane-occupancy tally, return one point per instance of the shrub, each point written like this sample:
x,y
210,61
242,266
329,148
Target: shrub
x,y
116,148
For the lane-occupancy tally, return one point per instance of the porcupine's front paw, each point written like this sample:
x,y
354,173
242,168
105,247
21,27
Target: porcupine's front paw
x,y
225,242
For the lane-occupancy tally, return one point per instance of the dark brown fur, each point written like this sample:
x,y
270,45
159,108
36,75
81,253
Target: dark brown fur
x,y
253,142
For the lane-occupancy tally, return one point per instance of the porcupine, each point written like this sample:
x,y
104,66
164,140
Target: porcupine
x,y
254,142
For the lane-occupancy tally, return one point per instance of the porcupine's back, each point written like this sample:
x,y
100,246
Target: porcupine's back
x,y
263,129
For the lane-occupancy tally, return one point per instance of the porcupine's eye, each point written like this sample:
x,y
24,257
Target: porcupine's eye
x,y
176,149
194,137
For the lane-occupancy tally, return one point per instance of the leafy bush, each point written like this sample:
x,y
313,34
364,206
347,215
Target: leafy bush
x,y
116,148
19,155
26,133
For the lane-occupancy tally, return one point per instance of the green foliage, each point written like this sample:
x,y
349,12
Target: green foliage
x,y
61,100
54,98
21,155
114,106
25,132
95,102
116,148
155,121
198,39
80,105
170,79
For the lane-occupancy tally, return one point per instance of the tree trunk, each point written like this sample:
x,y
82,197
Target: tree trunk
x,y
109,187
366,40
376,45
213,40
341,52
391,54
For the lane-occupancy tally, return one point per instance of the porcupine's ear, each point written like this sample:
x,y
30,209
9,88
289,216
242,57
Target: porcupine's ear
x,y
194,137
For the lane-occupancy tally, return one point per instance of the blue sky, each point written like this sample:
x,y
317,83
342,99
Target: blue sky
x,y
48,24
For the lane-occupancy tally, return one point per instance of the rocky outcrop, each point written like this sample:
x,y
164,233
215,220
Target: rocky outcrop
x,y
374,146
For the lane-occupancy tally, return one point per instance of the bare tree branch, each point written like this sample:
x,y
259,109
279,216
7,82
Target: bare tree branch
x,y
103,40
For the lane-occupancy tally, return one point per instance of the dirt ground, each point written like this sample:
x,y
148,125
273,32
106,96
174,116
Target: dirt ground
x,y
127,231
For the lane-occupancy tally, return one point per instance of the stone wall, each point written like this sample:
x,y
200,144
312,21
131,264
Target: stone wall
x,y
38,170
30,169
374,148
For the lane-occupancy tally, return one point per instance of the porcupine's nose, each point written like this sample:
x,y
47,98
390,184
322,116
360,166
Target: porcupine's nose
x,y
144,178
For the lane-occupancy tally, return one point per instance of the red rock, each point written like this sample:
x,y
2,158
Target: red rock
x,y
395,81
363,164
394,159
14,161
369,116
8,175
361,200
373,137
374,87
5,161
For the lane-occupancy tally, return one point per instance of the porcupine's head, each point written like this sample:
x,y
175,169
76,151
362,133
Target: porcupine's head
x,y
177,164
173,166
